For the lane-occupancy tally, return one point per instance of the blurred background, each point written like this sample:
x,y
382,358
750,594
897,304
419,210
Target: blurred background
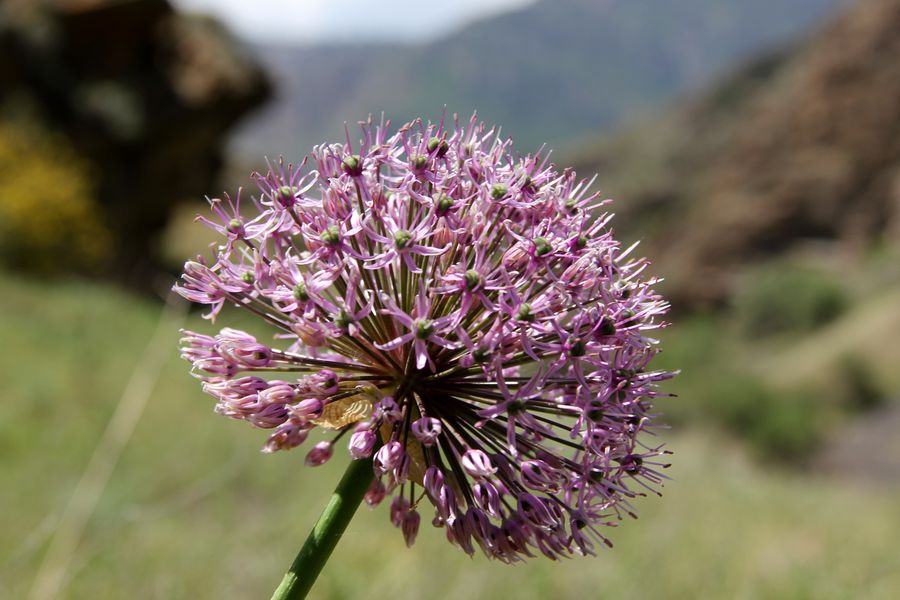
x,y
754,145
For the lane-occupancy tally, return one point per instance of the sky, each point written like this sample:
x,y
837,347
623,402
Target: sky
x,y
313,21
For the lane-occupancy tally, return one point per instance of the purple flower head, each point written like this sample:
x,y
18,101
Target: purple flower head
x,y
463,314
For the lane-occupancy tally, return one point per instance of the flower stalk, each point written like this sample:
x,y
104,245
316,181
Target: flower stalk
x,y
327,532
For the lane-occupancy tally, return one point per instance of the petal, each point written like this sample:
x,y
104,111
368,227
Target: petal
x,y
396,342
421,355
410,263
428,251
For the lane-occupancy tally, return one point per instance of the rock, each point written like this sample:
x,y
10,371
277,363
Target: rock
x,y
146,94
801,144
815,154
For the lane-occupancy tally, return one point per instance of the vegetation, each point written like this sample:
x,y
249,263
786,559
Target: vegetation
x,y
194,511
717,390
48,219
781,298
792,362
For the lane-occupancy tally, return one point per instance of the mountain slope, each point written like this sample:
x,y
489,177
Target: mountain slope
x,y
798,146
547,72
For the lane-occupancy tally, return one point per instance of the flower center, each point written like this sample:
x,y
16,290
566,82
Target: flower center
x,y
542,247
424,329
445,203
515,407
439,146
607,327
632,464
577,348
332,235
352,165
472,279
343,320
287,194
525,314
402,239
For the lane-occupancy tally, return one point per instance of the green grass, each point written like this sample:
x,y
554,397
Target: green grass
x,y
868,332
785,299
193,510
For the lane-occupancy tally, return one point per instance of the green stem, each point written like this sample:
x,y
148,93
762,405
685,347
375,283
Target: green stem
x,y
327,531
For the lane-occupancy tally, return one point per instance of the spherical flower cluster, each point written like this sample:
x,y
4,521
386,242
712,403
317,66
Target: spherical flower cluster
x,y
462,315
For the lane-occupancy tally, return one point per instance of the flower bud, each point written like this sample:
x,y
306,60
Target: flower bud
x,y
308,409
410,527
389,457
375,493
319,454
361,444
387,410
281,393
487,497
426,430
433,481
478,464
399,507
269,416
288,435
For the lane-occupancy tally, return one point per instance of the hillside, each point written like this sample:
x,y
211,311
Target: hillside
x,y
548,72
799,148
194,510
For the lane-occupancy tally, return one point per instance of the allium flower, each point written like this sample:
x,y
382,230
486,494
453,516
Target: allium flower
x,y
462,315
